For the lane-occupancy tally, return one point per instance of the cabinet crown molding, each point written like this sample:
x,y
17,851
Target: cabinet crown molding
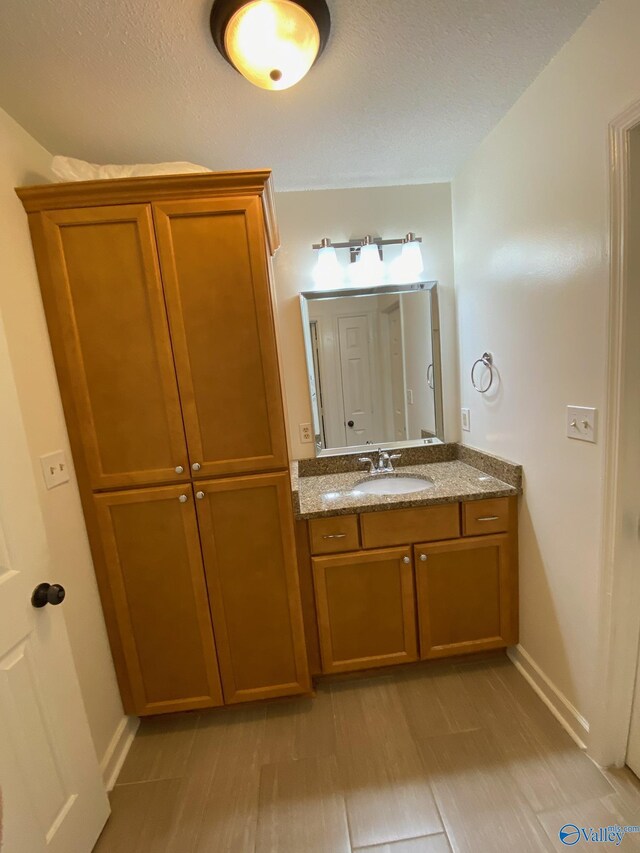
x,y
157,188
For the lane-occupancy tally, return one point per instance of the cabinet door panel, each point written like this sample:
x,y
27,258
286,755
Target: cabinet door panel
x,y
216,279
155,572
366,609
465,596
110,337
246,527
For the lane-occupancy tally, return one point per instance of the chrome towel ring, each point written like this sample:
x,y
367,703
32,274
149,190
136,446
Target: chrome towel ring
x,y
487,361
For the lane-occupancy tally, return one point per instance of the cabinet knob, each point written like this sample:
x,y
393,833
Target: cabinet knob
x,y
423,558
183,499
200,495
196,466
406,559
179,469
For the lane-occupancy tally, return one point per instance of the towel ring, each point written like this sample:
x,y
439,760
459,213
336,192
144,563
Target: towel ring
x,y
487,361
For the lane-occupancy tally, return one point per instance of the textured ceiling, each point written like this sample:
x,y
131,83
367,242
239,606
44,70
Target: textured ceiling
x,y
402,94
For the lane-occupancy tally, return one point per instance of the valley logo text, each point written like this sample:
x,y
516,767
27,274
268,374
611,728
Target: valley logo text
x,y
571,834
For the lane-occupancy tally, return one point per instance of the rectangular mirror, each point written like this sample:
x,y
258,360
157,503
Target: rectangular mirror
x,y
373,363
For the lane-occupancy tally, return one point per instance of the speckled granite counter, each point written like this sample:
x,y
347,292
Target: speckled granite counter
x,y
454,480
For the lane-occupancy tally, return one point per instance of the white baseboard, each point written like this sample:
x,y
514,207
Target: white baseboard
x,y
114,757
567,715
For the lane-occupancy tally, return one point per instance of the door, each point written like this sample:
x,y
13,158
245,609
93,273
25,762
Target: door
x,y
52,792
396,368
155,573
108,325
466,600
246,527
357,379
366,609
214,268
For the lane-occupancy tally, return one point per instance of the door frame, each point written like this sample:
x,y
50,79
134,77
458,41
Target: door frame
x,y
619,618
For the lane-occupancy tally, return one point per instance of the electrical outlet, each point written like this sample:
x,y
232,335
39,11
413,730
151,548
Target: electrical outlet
x,y
582,423
465,417
306,434
54,469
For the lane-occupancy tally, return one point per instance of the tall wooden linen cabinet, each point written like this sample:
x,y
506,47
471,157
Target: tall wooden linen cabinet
x,y
159,305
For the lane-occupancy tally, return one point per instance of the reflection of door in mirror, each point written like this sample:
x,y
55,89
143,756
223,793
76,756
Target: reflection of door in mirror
x,y
418,350
356,362
397,428
315,385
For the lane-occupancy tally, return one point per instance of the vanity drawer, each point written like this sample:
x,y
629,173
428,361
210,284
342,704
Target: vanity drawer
x,y
335,534
489,516
404,526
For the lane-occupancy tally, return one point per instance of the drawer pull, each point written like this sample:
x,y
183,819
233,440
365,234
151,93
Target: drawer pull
x,y
489,518
334,536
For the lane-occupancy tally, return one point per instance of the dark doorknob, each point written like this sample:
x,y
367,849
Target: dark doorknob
x,y
48,593
350,424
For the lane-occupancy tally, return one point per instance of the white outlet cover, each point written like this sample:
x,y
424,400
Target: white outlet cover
x,y
465,417
582,423
306,433
54,469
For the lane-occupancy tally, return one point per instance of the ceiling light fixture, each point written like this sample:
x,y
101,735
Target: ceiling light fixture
x,y
273,43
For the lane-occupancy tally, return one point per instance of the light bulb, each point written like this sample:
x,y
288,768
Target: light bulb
x,y
328,272
412,265
370,269
273,43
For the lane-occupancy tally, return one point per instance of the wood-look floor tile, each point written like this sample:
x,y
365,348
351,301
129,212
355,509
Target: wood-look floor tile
x,y
436,701
141,818
481,808
386,789
160,749
218,797
589,814
545,762
426,844
301,808
301,728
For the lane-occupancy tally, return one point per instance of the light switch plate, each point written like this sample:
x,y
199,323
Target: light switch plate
x,y
465,417
582,423
306,434
410,396
54,469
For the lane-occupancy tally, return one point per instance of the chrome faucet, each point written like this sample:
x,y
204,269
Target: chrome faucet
x,y
384,465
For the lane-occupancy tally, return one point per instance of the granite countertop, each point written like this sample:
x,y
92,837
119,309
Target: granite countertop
x,y
454,480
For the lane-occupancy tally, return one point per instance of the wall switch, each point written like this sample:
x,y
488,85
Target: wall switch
x,y
582,423
306,433
54,469
410,396
465,417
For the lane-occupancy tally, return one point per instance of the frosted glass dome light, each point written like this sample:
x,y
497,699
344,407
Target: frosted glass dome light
x,y
328,272
272,43
370,267
411,259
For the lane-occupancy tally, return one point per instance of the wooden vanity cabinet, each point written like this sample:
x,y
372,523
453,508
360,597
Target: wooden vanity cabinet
x,y
366,609
464,596
466,586
160,311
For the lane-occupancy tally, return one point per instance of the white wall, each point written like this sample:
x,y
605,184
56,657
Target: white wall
x,y
24,161
306,217
530,231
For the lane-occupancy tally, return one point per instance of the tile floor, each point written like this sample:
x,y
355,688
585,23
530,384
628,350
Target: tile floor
x,y
442,758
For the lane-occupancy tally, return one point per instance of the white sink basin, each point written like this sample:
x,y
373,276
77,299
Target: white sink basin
x,y
392,485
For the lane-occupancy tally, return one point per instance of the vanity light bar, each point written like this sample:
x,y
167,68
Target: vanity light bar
x,y
355,245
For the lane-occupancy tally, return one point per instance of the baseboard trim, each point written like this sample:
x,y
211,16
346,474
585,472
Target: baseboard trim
x,y
565,713
114,757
